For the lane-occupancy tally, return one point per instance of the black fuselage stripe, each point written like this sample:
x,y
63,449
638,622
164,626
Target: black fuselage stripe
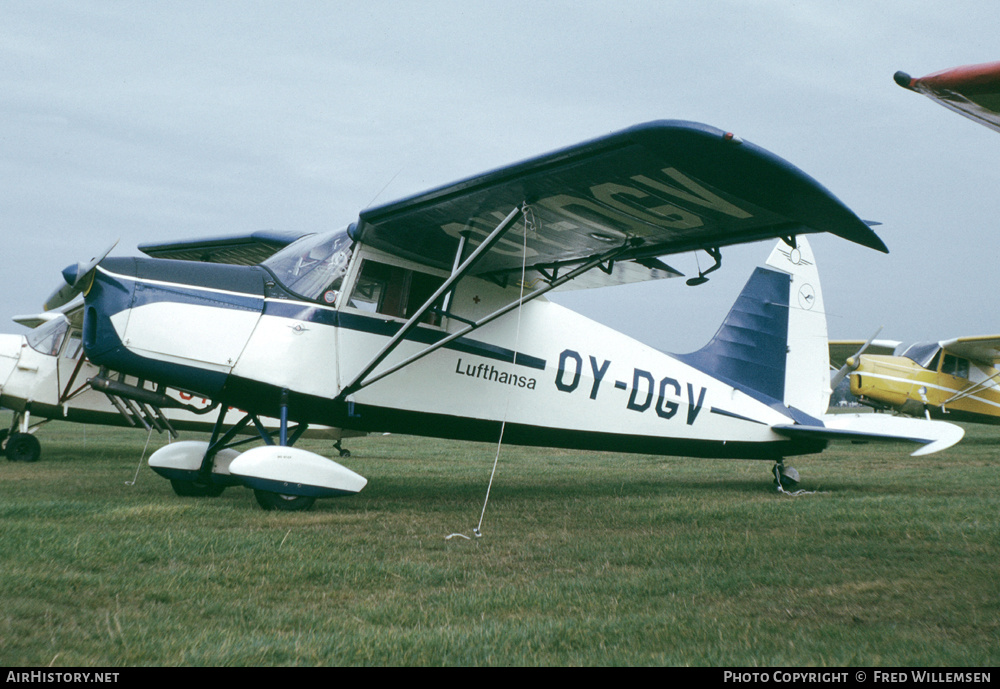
x,y
388,327
153,291
374,418
734,415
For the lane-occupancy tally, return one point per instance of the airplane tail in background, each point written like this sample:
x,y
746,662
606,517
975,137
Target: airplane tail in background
x,y
774,340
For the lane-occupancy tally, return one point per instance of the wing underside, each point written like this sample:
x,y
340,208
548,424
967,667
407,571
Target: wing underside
x,y
652,190
984,349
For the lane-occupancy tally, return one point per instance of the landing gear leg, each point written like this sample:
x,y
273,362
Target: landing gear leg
x,y
204,486
269,500
340,448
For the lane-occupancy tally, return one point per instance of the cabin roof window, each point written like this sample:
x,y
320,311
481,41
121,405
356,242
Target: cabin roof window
x,y
314,266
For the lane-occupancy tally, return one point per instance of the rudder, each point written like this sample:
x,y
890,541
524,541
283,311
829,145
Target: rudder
x,y
807,362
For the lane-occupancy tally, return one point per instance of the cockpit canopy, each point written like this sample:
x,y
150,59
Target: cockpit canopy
x,y
314,266
922,353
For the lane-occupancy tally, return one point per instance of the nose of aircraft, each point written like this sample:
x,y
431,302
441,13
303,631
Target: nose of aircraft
x,y
77,280
108,293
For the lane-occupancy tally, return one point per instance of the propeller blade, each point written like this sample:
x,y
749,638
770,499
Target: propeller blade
x,y
852,362
78,279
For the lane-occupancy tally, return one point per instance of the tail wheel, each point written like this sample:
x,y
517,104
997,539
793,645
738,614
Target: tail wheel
x,y
785,477
23,447
283,503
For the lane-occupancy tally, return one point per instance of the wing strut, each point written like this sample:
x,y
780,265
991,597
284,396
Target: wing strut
x,y
462,239
981,385
360,382
457,273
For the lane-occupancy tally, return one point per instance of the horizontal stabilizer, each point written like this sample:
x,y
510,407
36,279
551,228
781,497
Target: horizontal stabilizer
x,y
934,436
34,320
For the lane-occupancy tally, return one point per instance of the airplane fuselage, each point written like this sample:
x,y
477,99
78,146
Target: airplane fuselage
x,y
554,377
969,393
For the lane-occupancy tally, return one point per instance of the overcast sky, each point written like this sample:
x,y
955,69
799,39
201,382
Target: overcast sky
x,y
154,121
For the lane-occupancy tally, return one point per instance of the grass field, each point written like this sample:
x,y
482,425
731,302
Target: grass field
x,y
585,559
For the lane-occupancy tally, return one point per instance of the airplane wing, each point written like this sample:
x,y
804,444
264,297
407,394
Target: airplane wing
x,y
984,349
33,320
242,250
73,311
656,189
841,350
972,90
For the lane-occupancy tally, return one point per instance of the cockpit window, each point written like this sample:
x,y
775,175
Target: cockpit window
x,y
48,337
955,366
394,291
313,267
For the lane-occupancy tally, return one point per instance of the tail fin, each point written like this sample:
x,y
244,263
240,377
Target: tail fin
x,y
774,340
807,363
773,344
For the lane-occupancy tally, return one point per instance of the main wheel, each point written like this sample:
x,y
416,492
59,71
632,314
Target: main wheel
x,y
23,447
190,489
283,503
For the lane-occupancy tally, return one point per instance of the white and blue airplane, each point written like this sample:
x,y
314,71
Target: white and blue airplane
x,y
428,316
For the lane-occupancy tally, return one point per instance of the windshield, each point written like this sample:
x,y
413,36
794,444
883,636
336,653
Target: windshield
x,y
313,267
922,353
48,337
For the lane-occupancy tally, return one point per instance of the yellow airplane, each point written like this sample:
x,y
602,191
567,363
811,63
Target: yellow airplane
x,y
955,379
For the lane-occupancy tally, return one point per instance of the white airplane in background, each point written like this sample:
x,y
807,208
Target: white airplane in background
x,y
44,375
427,316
